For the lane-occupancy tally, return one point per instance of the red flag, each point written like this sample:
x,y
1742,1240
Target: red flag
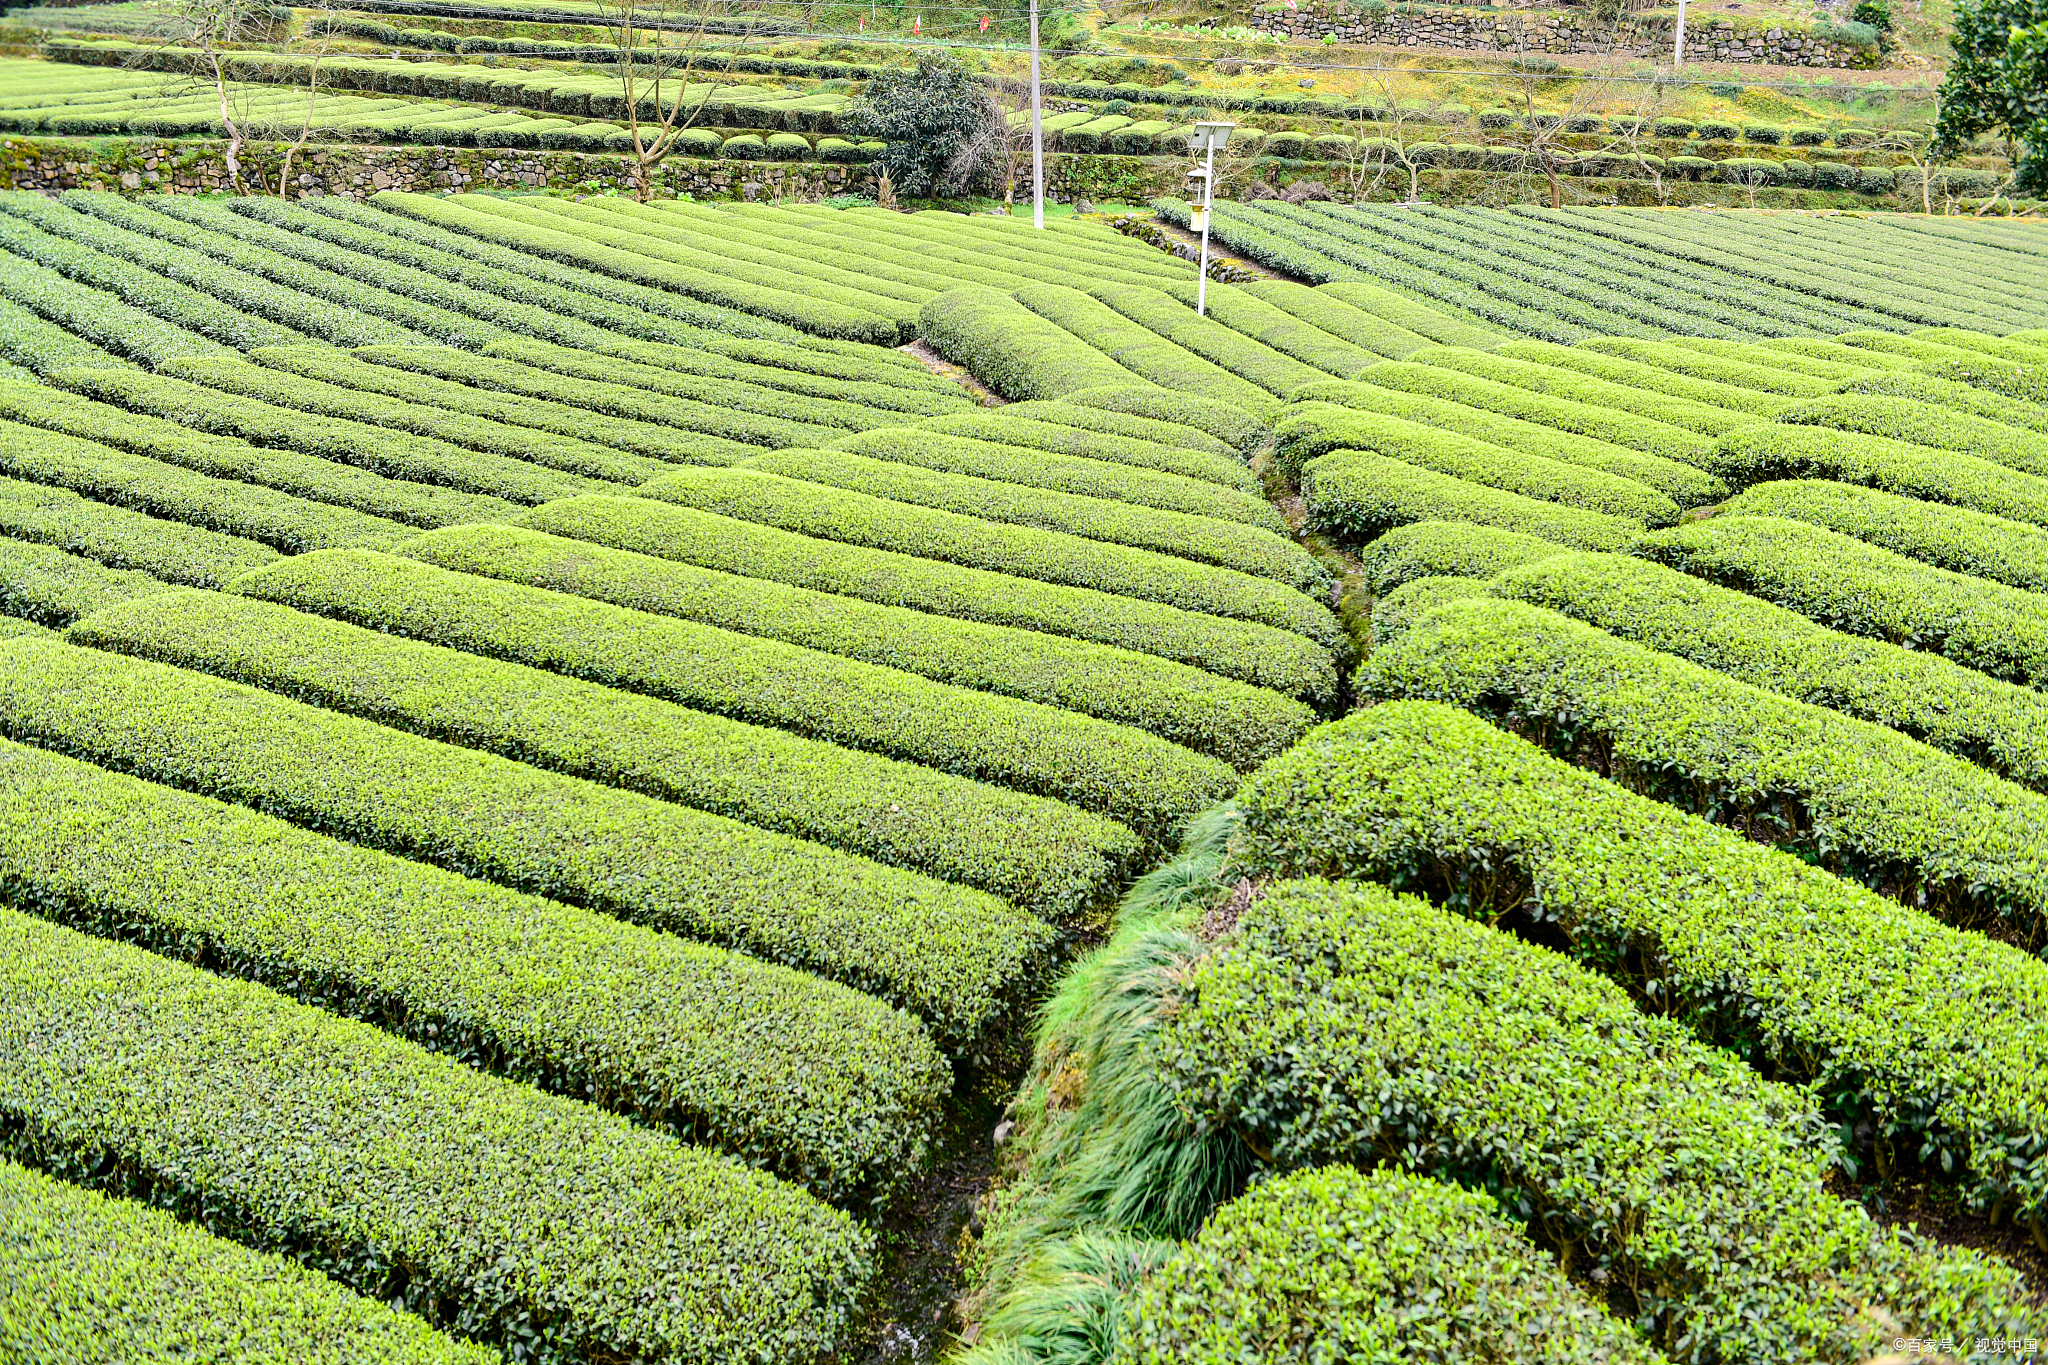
x,y
917,26
984,23
861,27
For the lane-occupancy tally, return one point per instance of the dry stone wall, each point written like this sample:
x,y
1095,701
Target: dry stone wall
x,y
1549,31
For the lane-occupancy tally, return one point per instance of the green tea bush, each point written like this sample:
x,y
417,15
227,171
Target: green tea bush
x,y
1972,543
1626,429
501,1212
1900,418
86,1276
299,391
1350,1025
1866,590
715,408
1037,467
771,294
950,955
1994,724
1505,366
1226,423
1862,800
394,454
1454,549
1309,433
1788,451
640,1022
1357,496
1630,371
1230,545
1013,350
48,586
1696,919
162,488
369,372
1325,402
125,309
120,539
1239,724
1720,371
1146,353
1091,433
1263,655
1769,134
893,812
1264,321
1028,552
1405,1267
1324,310
35,346
1112,769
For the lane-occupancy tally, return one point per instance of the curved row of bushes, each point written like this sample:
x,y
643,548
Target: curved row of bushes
x,y
1310,430
1064,428
1858,798
1328,404
1357,496
1264,655
1239,724
516,1215
87,1275
1345,1024
1866,590
289,502
573,1000
1807,976
1973,543
1025,551
174,551
1111,769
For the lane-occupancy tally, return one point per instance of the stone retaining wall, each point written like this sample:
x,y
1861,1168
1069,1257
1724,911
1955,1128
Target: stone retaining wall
x,y
1508,31
199,167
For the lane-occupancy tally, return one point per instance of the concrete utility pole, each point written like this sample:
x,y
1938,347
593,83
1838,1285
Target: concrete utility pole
x,y
1678,39
1037,132
1209,138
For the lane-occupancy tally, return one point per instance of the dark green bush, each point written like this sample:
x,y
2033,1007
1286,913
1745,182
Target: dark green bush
x,y
1308,434
1674,127
1350,1025
1435,799
1406,1268
1806,137
1051,556
1357,496
1769,134
1278,659
87,1277
179,483
1718,130
1861,588
1855,796
640,1022
515,1215
1239,724
951,955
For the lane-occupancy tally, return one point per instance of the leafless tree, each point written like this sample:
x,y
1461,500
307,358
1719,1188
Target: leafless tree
x,y
1389,146
313,43
193,39
1914,147
1541,136
660,45
1001,144
1640,102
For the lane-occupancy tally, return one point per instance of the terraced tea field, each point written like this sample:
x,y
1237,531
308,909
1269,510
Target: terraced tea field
x,y
559,760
